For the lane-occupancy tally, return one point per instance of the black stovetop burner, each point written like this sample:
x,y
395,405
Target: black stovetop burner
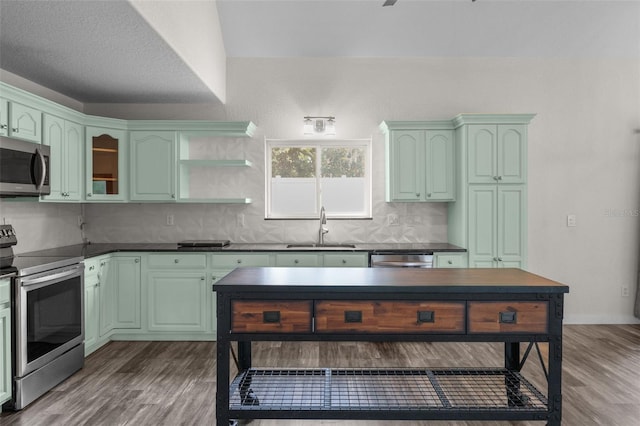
x,y
204,243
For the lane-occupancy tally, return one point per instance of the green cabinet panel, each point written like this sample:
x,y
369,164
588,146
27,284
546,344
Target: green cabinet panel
x,y
450,260
5,341
497,153
178,301
152,166
4,117
496,225
420,164
20,121
346,260
236,260
105,164
91,311
440,165
66,141
299,259
120,288
173,261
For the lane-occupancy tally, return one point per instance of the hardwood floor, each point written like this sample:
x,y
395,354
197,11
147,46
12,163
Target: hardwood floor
x,y
173,383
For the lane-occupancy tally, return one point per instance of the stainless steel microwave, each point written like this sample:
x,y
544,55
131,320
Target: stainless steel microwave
x,y
24,168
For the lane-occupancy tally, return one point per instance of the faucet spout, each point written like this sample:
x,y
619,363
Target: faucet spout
x,y
323,226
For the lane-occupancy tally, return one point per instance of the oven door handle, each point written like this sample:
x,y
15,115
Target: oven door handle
x,y
35,283
403,264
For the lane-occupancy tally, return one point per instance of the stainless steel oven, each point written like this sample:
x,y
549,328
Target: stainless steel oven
x,y
47,310
49,327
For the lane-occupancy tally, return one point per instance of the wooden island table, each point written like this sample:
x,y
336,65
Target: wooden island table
x,y
388,304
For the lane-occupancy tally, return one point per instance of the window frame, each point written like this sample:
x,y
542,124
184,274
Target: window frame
x,y
367,143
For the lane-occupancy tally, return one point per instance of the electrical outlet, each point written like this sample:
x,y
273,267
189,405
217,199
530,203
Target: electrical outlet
x,y
624,291
393,220
169,220
571,220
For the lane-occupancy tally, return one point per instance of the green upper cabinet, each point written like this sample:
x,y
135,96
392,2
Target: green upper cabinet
x,y
20,121
65,140
497,153
105,163
152,166
419,161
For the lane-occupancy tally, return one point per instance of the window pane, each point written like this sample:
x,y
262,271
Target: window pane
x,y
343,161
293,162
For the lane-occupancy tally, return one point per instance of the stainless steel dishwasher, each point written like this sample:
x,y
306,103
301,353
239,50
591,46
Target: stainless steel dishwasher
x,y
401,260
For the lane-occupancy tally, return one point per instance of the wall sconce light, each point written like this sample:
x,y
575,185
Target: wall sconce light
x,y
319,125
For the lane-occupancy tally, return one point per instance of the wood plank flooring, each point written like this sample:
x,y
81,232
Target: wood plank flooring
x,y
173,383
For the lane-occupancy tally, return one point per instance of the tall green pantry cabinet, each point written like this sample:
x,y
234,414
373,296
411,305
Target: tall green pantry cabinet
x,y
489,216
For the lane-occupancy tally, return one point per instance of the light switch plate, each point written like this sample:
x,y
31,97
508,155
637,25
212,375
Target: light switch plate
x,y
571,220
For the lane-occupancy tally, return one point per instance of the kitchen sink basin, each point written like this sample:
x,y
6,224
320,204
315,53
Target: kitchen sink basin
x,y
329,246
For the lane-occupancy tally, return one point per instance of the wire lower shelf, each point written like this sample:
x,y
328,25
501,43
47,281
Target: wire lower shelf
x,y
409,391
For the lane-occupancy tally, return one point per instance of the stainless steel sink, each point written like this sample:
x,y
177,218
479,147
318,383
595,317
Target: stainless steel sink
x,y
329,246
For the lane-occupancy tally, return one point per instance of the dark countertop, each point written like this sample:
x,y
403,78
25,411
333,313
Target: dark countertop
x,y
97,249
386,280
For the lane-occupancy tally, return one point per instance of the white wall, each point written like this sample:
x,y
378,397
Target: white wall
x,y
583,157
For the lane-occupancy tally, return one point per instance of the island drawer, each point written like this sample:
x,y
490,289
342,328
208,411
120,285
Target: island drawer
x,y
508,317
285,316
372,316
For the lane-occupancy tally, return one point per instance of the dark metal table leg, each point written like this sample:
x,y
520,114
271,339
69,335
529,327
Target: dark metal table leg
x,y
512,385
223,346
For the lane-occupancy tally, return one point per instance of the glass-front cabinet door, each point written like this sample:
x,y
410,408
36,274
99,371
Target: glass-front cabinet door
x,y
106,167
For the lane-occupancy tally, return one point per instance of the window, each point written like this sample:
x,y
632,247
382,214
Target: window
x,y
303,176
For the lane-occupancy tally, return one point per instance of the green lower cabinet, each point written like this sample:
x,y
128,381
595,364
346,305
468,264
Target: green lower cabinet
x,y
450,260
346,260
5,340
178,301
298,259
120,289
91,312
497,226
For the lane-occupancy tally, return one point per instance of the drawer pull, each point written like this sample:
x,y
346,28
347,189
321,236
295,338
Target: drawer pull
x,y
352,316
508,317
270,317
425,316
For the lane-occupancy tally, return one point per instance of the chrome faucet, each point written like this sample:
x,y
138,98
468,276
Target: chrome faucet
x,y
323,226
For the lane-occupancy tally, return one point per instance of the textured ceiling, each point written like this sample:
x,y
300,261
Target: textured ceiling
x,y
104,51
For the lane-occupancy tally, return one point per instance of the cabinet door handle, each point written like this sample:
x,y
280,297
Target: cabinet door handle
x,y
344,261
15,130
508,317
499,259
428,194
352,316
426,316
88,194
499,177
137,261
176,260
296,261
417,194
495,178
3,126
450,262
270,317
239,261
173,196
